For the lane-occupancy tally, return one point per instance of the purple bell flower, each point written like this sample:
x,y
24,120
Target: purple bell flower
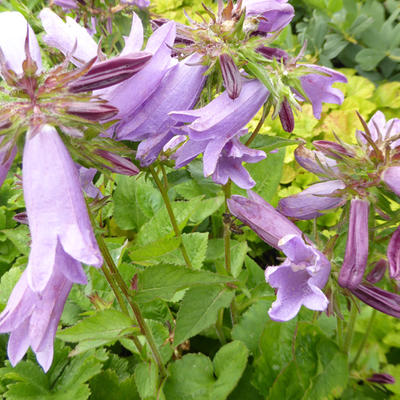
x,y
151,124
226,163
300,278
274,14
32,317
356,255
393,255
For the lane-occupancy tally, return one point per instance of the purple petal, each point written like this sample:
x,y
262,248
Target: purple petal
x,y
86,176
393,255
188,152
391,176
6,159
378,272
134,41
356,255
315,161
179,89
18,343
132,93
150,148
13,31
262,218
223,116
308,203
319,89
66,35
277,13
55,206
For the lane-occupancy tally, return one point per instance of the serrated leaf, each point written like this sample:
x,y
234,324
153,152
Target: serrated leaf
x,y
159,226
136,200
199,310
20,238
164,281
207,207
195,377
155,249
7,283
105,326
251,325
146,379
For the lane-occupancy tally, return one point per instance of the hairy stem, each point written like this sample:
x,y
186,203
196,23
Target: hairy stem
x,y
259,125
350,329
164,193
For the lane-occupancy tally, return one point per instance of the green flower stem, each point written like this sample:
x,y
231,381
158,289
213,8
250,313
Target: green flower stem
x,y
259,125
144,329
227,229
164,194
350,328
364,340
219,327
339,326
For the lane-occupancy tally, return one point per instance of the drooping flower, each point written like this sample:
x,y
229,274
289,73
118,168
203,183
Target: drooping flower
x,y
225,163
273,15
300,278
356,254
69,37
32,317
151,124
213,127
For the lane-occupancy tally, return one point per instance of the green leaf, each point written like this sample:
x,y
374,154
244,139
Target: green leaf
x,y
256,273
105,326
107,386
199,310
195,377
136,200
20,238
251,325
146,378
7,283
207,208
370,58
155,249
159,226
164,281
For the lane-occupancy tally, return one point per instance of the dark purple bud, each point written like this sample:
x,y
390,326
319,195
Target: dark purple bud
x,y
382,378
381,300
21,217
356,256
286,116
118,164
332,149
377,272
110,72
271,52
230,75
92,111
393,255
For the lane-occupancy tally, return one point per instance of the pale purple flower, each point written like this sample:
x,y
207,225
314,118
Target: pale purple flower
x,y
228,160
393,255
356,254
137,3
300,278
151,124
69,37
32,317
86,176
274,14
56,209
7,156
66,4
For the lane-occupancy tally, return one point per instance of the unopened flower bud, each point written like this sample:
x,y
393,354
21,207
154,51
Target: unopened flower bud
x,y
377,272
382,378
92,111
393,255
381,300
356,255
315,161
272,52
110,72
230,75
118,164
332,149
286,116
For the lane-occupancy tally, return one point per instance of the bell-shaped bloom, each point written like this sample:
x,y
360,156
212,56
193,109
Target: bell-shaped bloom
x,y
151,124
71,38
356,254
221,164
275,14
309,203
86,176
381,300
301,277
13,31
56,210
393,255
318,86
7,156
32,317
